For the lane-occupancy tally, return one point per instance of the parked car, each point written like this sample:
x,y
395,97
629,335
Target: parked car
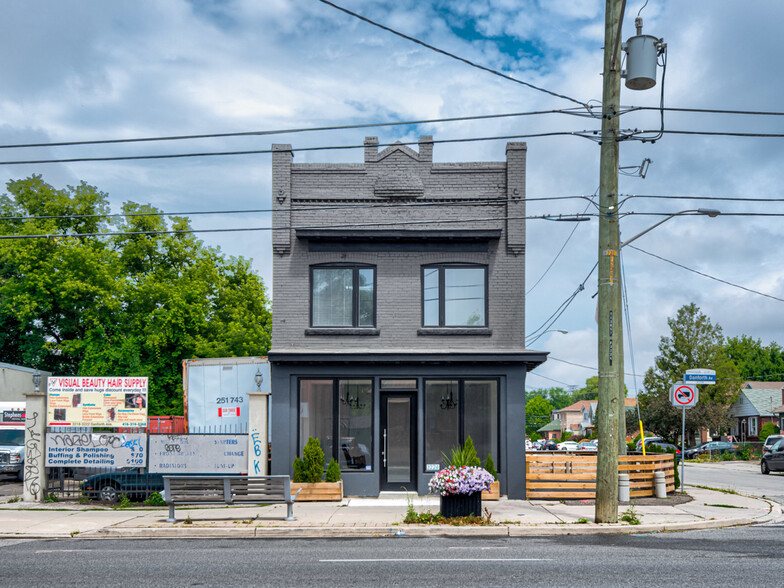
x,y
134,482
567,446
648,441
711,447
773,460
770,442
587,446
551,445
666,448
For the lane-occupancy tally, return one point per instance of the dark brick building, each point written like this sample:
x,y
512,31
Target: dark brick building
x,y
398,314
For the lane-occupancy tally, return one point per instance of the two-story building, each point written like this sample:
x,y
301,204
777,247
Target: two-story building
x,y
398,314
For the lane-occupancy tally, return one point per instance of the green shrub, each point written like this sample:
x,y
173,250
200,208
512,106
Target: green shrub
x,y
155,499
490,466
566,435
534,436
727,456
299,471
313,456
631,446
744,451
767,430
463,456
333,471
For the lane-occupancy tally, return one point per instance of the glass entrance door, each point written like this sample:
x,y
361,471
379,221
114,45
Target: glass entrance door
x,y
398,442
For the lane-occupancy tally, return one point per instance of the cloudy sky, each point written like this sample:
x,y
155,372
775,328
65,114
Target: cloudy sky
x,y
75,70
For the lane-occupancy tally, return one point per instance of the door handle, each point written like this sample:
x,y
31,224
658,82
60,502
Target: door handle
x,y
384,451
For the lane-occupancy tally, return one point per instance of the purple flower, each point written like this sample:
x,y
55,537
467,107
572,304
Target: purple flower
x,y
462,480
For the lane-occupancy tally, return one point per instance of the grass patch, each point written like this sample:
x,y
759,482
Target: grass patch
x,y
582,521
15,499
722,490
722,505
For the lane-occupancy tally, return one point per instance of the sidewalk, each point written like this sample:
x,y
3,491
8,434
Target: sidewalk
x,y
375,517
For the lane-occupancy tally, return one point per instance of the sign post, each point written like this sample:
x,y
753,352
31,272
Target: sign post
x,y
683,396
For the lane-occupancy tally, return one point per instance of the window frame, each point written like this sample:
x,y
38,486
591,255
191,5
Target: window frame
x,y
336,380
461,413
442,267
354,295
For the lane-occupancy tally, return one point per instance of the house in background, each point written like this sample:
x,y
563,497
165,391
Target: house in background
x,y
398,314
579,418
757,404
551,430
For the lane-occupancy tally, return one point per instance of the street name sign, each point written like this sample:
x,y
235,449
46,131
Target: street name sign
x,y
683,395
700,376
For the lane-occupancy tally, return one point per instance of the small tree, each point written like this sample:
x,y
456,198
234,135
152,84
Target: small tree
x,y
299,471
490,466
333,471
313,458
463,456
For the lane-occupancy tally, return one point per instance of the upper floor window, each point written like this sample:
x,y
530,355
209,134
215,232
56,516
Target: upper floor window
x,y
454,296
343,296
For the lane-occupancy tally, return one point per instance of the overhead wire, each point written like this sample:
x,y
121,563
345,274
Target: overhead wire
x,y
571,111
585,134
706,275
451,55
282,228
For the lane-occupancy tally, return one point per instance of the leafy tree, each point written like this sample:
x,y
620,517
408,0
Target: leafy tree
x,y
537,414
134,305
557,397
754,360
693,342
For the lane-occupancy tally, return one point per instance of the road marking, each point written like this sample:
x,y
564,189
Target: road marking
x,y
478,548
411,559
60,550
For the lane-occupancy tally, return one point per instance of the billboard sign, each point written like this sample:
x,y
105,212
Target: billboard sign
x,y
96,450
199,454
77,401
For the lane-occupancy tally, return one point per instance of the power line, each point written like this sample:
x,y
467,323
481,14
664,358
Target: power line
x,y
286,228
584,134
452,55
707,275
588,367
445,202
286,131
686,197
548,378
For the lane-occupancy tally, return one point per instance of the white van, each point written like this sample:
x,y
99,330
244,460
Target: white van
x,y
12,438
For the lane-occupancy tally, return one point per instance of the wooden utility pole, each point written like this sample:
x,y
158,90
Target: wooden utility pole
x,y
609,312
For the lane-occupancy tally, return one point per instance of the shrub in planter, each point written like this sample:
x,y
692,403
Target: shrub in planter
x,y
313,458
463,456
333,471
490,467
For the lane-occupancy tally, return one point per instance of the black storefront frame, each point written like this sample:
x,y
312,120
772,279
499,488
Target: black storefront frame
x,y
411,395
461,414
336,417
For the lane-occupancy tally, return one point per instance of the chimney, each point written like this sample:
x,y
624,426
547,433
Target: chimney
x,y
371,149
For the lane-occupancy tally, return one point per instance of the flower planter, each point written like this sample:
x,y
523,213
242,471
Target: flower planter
x,y
461,505
494,493
318,491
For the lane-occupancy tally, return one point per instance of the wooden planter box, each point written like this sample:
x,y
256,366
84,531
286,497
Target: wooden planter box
x,y
320,491
494,493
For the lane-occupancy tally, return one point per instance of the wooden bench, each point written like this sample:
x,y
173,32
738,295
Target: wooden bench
x,y
228,490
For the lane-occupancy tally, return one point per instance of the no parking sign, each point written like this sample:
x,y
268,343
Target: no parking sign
x,y
684,395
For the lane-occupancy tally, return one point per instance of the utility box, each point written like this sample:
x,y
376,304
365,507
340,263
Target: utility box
x,y
216,392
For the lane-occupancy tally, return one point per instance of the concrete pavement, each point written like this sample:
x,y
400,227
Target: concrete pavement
x,y
374,517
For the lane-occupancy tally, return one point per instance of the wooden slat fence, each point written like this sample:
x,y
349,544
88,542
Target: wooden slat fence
x,y
573,475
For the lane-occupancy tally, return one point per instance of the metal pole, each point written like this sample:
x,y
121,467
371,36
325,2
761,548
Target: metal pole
x,y
683,447
610,341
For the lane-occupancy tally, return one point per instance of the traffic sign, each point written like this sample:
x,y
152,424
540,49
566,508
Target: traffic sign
x,y
683,395
700,376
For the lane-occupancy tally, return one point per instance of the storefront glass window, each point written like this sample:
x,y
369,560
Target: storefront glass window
x,y
442,430
356,424
315,414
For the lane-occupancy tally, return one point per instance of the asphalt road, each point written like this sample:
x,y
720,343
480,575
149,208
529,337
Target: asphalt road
x,y
743,477
732,557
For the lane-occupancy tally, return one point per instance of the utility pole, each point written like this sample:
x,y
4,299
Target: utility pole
x,y
609,313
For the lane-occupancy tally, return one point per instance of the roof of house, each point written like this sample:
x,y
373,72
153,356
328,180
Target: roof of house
x,y
762,385
756,401
554,425
579,405
780,409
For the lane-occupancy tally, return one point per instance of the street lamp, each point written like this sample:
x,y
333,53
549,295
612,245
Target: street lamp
x,y
37,380
258,378
710,212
